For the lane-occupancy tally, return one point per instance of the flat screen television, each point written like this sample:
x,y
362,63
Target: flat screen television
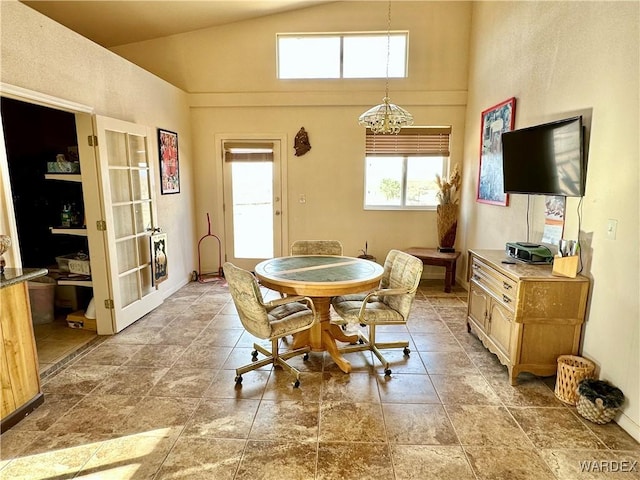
x,y
545,159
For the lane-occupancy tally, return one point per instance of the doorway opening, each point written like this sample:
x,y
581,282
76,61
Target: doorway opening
x,y
34,137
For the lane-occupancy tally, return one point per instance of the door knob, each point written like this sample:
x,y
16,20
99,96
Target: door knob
x,y
277,212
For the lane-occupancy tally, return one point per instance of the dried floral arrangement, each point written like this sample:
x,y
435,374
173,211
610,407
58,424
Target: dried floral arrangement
x,y
448,188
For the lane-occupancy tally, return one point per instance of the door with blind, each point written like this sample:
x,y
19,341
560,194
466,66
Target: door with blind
x,y
253,215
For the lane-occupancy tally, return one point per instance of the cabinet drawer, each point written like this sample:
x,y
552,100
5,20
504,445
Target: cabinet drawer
x,y
498,285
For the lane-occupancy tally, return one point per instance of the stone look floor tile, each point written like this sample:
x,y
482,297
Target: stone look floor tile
x,y
555,428
464,389
418,424
132,380
202,356
280,387
222,418
78,379
193,458
281,460
500,463
159,401
159,416
354,461
355,387
285,420
102,414
110,353
54,406
252,386
450,363
58,464
131,456
406,388
183,382
214,336
351,422
418,462
486,425
529,392
156,356
436,342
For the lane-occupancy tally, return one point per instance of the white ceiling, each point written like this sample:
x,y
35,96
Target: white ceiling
x,y
118,22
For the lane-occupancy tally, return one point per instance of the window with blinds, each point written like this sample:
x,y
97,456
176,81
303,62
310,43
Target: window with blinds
x,y
400,170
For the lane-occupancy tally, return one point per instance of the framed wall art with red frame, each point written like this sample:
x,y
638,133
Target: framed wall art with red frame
x,y
169,165
494,122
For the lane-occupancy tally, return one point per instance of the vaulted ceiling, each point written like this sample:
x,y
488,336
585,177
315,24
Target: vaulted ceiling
x,y
119,22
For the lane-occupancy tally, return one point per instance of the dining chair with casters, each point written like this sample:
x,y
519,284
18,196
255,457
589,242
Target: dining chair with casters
x,y
316,247
268,321
389,304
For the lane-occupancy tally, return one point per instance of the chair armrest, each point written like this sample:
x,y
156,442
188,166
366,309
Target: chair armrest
x,y
297,298
380,293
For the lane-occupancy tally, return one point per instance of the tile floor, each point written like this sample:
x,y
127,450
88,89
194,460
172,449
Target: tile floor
x,y
158,401
57,344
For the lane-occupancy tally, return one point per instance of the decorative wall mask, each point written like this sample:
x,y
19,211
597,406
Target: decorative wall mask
x,y
301,142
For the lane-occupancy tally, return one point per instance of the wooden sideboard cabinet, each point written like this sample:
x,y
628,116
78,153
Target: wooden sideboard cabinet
x,y
523,314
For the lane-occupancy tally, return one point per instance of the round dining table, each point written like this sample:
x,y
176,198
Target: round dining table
x,y
321,277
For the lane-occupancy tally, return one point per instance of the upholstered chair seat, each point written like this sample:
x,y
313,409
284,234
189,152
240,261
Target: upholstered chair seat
x,y
269,321
390,304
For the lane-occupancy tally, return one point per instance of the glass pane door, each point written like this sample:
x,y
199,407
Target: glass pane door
x,y
130,216
252,199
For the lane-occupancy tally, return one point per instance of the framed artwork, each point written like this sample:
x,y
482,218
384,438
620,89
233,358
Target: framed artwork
x,y
159,258
169,165
494,122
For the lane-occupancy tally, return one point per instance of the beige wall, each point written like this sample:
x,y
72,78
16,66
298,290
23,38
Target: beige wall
x,y
232,72
41,55
557,59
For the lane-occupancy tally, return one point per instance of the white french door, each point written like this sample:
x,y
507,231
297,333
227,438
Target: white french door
x,y
126,186
253,200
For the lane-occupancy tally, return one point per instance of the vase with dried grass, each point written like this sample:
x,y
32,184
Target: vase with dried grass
x,y
447,210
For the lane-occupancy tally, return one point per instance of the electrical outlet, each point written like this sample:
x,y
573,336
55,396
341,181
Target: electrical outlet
x,y
612,228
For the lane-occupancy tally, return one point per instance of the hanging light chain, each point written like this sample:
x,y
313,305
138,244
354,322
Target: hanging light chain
x,y
386,118
386,88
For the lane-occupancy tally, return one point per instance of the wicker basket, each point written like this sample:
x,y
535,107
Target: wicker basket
x,y
571,369
598,401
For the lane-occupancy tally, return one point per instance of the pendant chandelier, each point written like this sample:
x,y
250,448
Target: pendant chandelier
x,y
386,118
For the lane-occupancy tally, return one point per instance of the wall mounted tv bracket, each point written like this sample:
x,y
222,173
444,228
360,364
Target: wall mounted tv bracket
x,y
529,252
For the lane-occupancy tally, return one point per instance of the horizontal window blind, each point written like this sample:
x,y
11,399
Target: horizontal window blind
x,y
410,141
248,152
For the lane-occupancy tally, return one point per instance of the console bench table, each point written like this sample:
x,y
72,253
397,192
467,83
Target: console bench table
x,y
522,313
432,256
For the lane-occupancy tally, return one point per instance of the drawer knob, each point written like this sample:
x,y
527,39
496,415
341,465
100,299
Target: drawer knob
x,y
505,299
506,286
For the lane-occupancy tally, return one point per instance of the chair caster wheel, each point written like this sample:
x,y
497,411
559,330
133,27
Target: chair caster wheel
x,y
305,357
387,372
254,355
238,379
406,351
296,384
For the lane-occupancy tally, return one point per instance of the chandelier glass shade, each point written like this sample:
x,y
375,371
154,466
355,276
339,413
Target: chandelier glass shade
x,y
386,118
